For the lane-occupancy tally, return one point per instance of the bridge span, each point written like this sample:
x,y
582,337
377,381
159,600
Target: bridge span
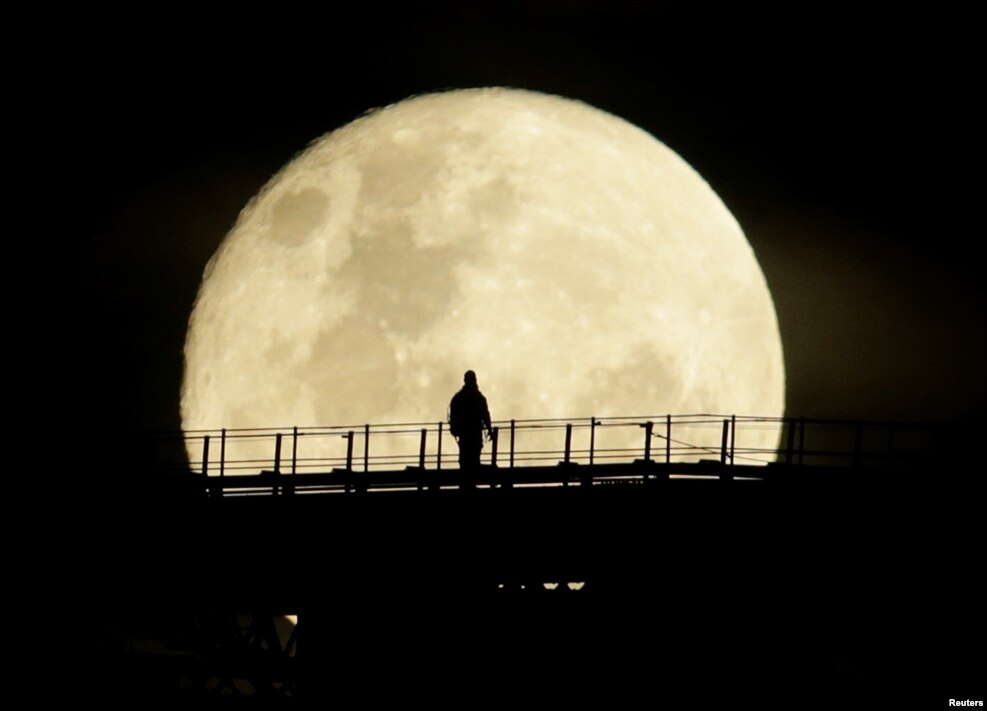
x,y
546,452
683,545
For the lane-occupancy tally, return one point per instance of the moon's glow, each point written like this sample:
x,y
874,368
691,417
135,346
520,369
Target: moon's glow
x,y
578,265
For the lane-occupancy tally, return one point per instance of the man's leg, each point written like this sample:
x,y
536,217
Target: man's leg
x,y
469,458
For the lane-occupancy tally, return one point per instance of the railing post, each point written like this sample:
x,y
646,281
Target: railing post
x,y
222,452
512,444
421,449
205,456
568,440
493,446
668,439
366,448
648,429
421,459
723,441
726,473
276,490
592,438
438,453
277,453
566,455
349,461
294,449
733,436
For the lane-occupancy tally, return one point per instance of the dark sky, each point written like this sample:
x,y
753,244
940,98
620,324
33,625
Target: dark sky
x,y
843,141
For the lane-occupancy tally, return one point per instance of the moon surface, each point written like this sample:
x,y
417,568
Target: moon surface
x,y
577,264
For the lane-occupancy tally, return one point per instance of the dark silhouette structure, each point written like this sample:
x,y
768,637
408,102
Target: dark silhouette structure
x,y
469,418
831,574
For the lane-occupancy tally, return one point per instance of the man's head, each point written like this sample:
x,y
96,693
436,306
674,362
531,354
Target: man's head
x,y
469,378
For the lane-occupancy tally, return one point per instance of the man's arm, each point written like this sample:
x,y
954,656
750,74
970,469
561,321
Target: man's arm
x,y
486,416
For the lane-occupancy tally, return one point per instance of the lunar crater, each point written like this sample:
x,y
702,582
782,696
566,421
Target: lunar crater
x,y
297,215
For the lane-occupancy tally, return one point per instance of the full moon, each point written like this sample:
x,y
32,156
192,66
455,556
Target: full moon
x,y
576,263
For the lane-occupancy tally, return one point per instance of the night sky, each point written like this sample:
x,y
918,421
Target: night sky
x,y
846,143
845,140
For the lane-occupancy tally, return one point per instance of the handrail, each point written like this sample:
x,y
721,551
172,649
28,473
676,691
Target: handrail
x,y
731,439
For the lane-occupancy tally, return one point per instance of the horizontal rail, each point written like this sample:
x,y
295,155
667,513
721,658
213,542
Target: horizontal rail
x,y
729,439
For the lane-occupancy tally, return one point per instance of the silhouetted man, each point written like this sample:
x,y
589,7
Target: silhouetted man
x,y
468,419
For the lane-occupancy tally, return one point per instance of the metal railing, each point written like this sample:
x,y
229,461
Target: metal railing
x,y
729,440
